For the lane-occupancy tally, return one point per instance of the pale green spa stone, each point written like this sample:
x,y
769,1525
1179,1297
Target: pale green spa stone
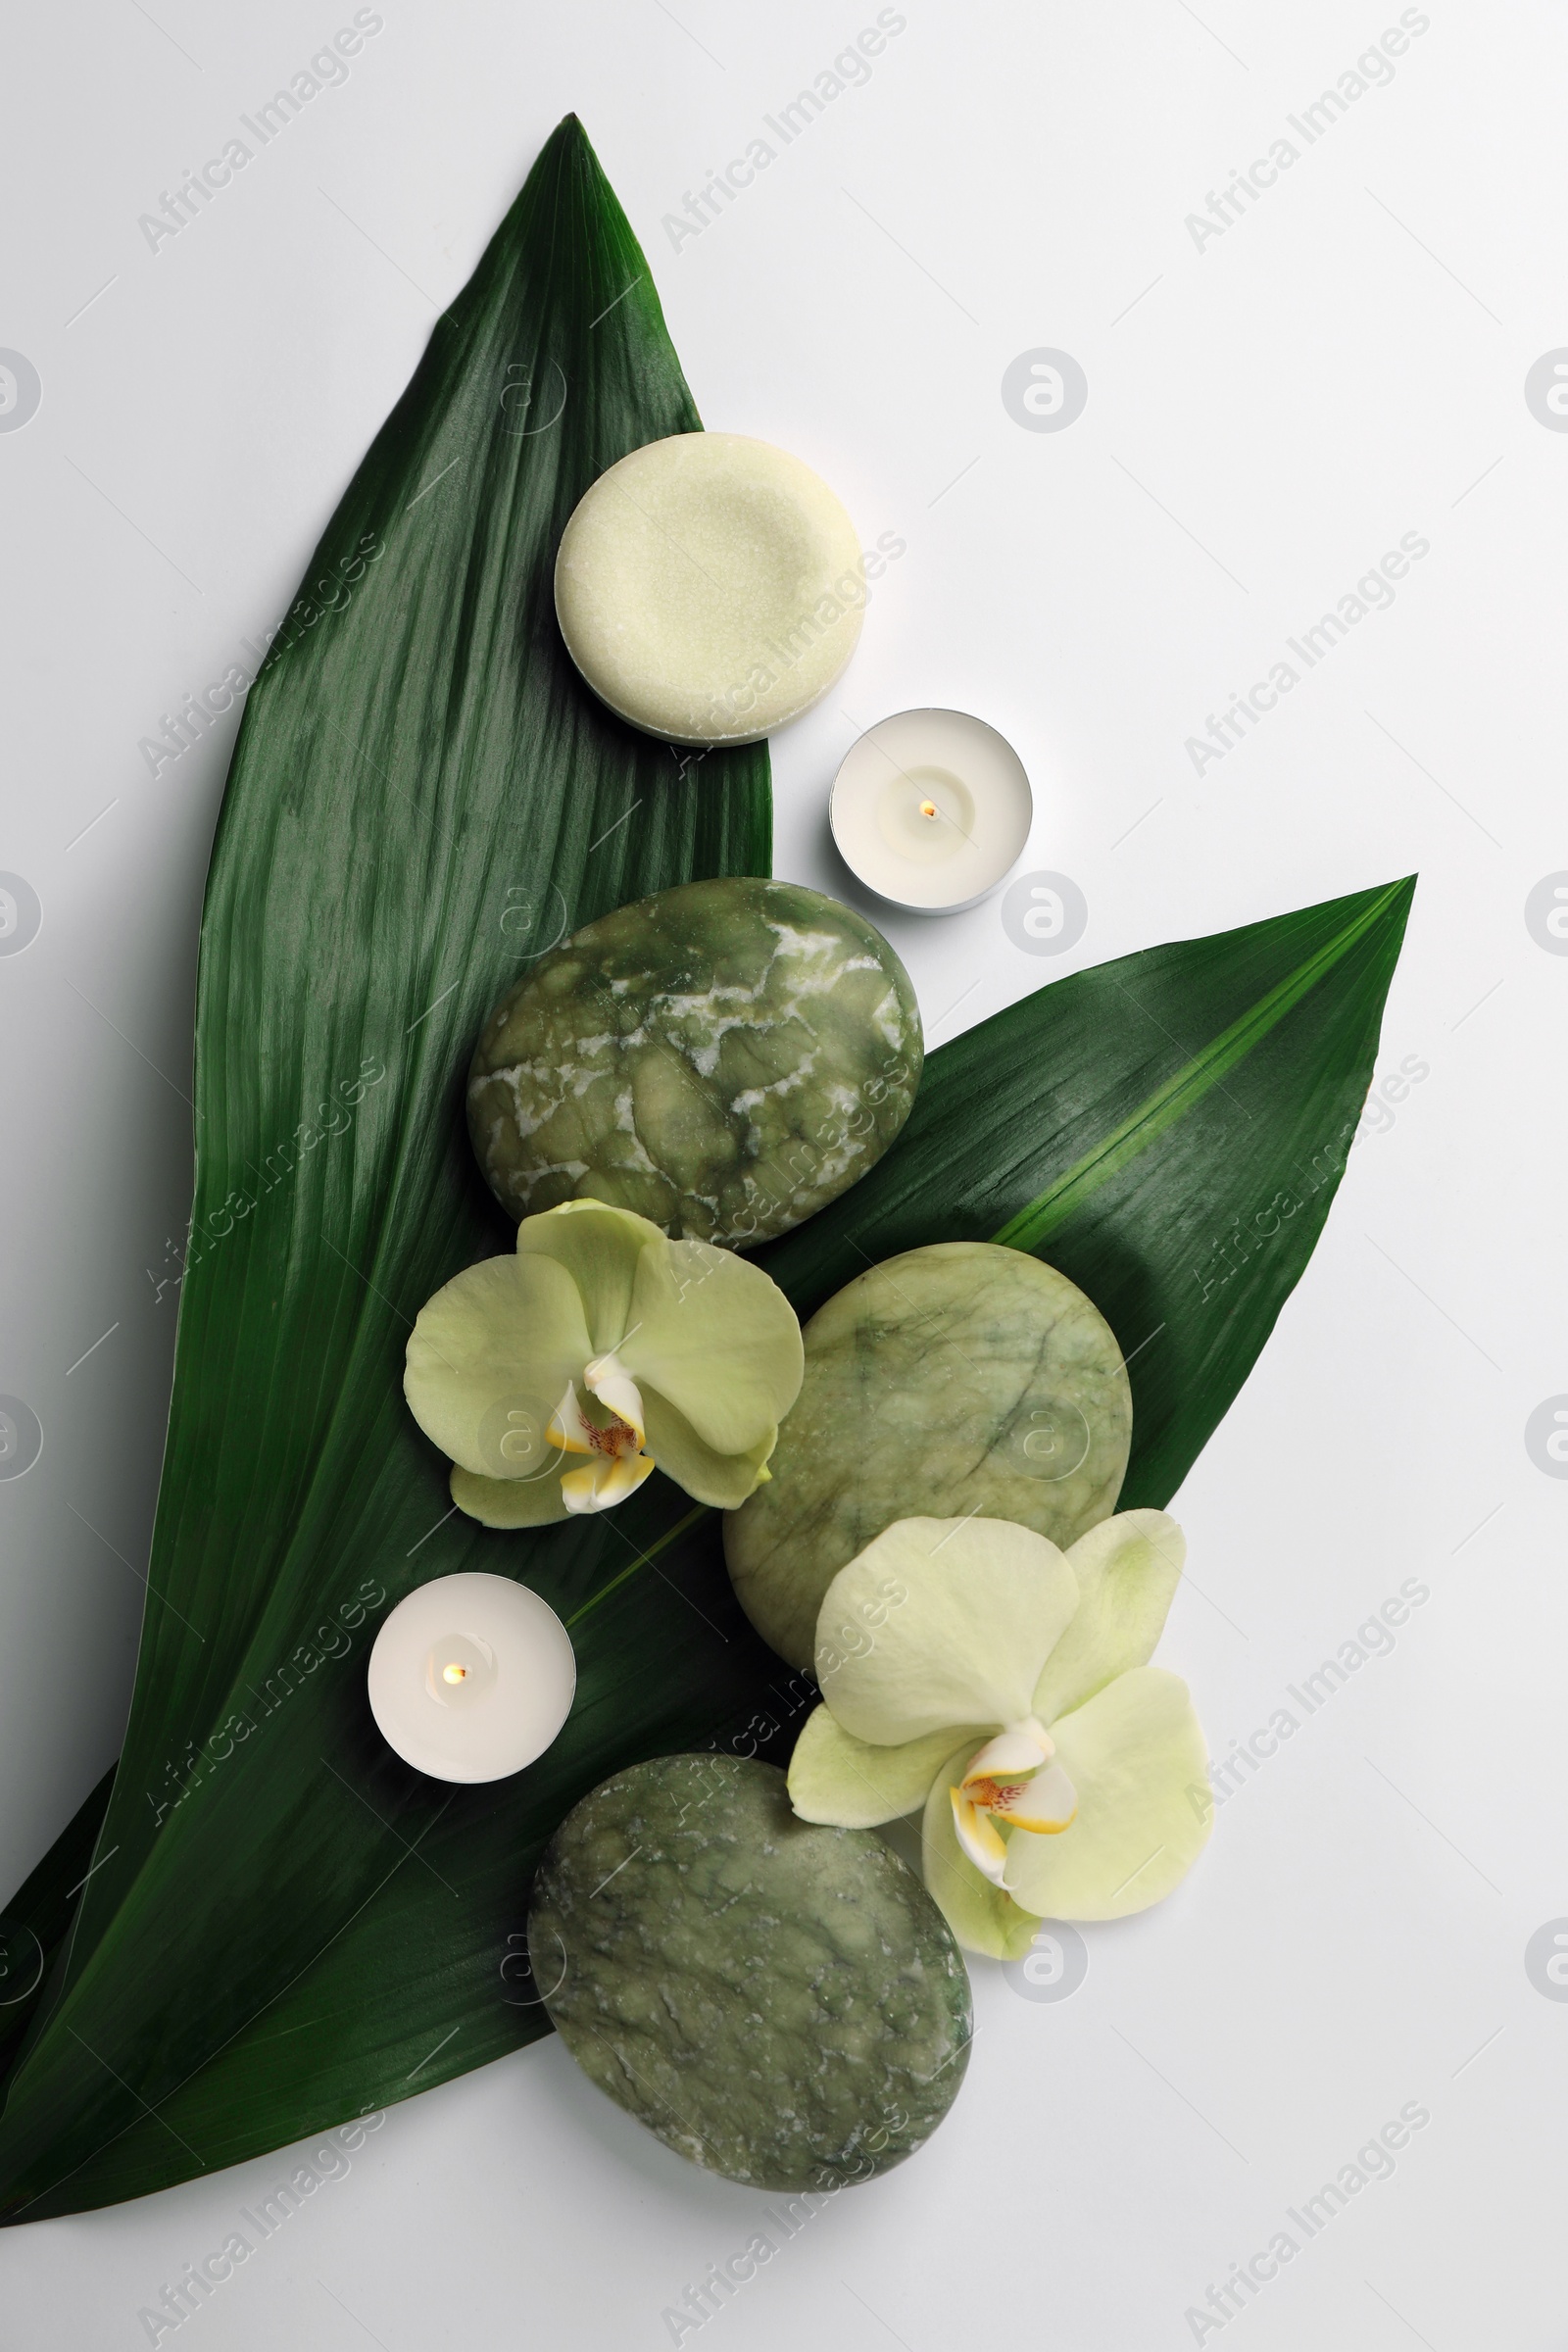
x,y
724,1058
709,587
781,2002
960,1377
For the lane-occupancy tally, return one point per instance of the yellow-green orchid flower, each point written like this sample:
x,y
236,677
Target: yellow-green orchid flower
x,y
970,1666
557,1378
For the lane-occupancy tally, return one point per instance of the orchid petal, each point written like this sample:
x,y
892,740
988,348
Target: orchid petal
x,y
839,1779
1136,1756
508,1501
941,1622
1127,1569
717,1338
1022,1747
567,1427
502,1338
600,1247
981,1916
720,1480
600,1485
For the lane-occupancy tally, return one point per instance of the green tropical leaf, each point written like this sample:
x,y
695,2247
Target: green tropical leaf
x,y
422,796
39,1914
1168,1130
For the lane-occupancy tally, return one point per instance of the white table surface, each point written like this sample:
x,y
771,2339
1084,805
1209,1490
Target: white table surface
x,y
1268,411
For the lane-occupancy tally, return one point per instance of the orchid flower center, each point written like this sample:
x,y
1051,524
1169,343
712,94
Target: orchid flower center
x,y
617,1462
1012,1780
617,1438
606,1377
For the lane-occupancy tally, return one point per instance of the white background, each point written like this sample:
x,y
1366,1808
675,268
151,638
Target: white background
x,y
1267,417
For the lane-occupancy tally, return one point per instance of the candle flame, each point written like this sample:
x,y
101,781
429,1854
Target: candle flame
x,y
928,808
454,1674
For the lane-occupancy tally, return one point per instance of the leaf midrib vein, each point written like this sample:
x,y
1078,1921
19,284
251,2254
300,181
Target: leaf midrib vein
x,y
1051,1208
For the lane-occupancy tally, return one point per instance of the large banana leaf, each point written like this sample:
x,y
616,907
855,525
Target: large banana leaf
x,y
1169,1129
422,794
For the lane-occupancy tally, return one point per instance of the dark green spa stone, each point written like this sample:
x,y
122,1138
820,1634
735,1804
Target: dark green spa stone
x,y
781,2002
958,1378
725,1057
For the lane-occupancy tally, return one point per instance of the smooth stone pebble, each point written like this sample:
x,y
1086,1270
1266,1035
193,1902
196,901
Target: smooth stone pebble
x,y
955,1379
782,2003
710,588
724,1058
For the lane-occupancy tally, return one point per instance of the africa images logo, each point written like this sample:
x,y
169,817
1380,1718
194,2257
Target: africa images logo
x,y
20,391
1546,391
1045,913
1547,1436
1373,69
1374,592
851,70
327,70
1045,390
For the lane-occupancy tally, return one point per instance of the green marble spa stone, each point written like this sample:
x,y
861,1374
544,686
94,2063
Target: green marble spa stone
x,y
724,1058
781,2002
958,1378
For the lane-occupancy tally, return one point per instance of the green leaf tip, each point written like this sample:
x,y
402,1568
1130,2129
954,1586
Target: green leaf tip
x,y
1035,1224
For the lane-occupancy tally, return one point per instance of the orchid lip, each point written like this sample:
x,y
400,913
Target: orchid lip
x,y
1015,1779
606,1377
978,1835
574,1433
1044,1807
1017,1752
600,1485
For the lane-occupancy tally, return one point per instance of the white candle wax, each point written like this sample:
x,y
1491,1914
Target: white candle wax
x,y
471,1676
931,810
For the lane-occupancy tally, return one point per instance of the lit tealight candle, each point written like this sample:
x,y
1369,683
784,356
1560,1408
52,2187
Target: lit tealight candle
x,y
931,810
471,1676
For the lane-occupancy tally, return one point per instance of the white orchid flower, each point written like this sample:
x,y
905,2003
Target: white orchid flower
x,y
970,1666
559,1377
